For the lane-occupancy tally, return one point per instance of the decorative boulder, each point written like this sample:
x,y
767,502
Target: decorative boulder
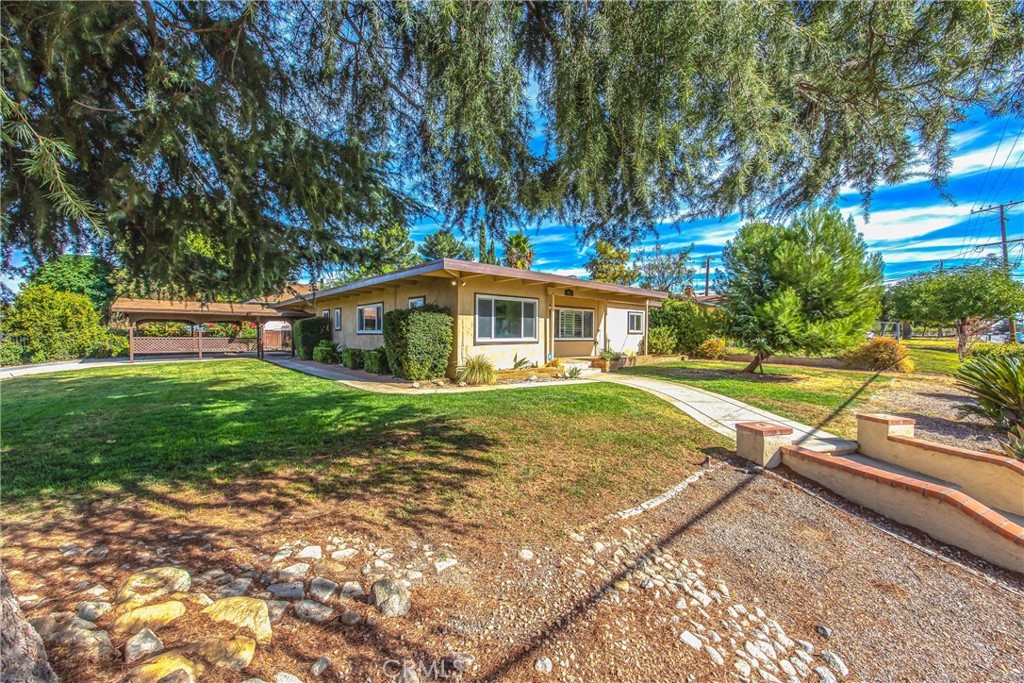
x,y
250,613
154,583
390,597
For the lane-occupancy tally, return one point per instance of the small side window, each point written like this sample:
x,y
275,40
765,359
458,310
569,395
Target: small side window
x,y
636,322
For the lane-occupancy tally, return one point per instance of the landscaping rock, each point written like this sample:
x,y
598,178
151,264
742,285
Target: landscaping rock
x,y
156,670
344,554
825,675
227,653
443,561
390,597
233,589
823,631
243,612
310,552
525,554
293,571
322,589
543,665
835,663
313,612
89,644
333,570
292,590
178,676
352,589
154,583
49,624
142,644
277,609
152,617
283,677
691,640
320,666
91,611
350,617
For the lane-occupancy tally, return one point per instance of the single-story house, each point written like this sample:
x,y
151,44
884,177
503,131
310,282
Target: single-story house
x,y
500,312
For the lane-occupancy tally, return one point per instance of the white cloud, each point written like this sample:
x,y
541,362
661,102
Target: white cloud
x,y
899,224
571,272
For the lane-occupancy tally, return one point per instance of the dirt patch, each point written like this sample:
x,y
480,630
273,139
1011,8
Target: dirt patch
x,y
934,402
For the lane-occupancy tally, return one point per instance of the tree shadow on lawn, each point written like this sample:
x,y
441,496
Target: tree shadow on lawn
x,y
705,374
256,447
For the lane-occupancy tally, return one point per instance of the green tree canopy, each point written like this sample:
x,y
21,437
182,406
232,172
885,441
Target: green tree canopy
x,y
77,274
611,264
53,325
444,244
231,143
956,296
519,251
809,287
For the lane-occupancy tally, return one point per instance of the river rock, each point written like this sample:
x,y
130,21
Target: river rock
x,y
152,617
390,597
154,583
249,613
142,644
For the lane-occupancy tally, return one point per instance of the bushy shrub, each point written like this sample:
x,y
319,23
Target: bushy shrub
x,y
608,354
998,384
352,358
376,361
691,324
163,329
53,325
661,341
327,352
11,353
992,350
477,370
712,348
113,345
880,353
418,341
309,332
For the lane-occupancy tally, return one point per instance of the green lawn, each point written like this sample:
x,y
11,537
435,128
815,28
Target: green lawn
x,y
816,396
178,432
936,356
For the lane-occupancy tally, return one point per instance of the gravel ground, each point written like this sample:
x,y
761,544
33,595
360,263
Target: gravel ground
x,y
933,401
763,557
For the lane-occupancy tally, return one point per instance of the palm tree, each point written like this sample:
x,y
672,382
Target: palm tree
x,y
519,251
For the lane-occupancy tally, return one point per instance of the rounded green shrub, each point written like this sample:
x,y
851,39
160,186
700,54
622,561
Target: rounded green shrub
x,y
352,358
53,325
418,341
327,352
661,341
691,324
376,361
309,332
710,349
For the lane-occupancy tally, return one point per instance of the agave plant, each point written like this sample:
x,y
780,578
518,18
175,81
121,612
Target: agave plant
x,y
998,384
521,363
477,370
1013,447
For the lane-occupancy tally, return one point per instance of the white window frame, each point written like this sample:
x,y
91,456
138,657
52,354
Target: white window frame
x,y
583,311
629,322
417,301
337,319
380,318
326,313
504,340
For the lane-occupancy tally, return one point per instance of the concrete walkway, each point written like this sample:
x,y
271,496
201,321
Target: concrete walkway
x,y
721,413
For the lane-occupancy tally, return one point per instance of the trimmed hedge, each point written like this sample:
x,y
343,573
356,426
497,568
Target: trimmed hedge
x,y
418,341
309,332
326,352
993,350
376,361
352,358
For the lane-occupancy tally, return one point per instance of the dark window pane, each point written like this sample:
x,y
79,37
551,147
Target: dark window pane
x,y
529,319
588,324
508,319
484,310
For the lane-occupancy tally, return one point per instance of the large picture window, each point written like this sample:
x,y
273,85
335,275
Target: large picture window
x,y
506,319
636,322
574,323
370,319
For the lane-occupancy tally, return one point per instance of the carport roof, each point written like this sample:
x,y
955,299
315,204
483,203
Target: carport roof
x,y
158,307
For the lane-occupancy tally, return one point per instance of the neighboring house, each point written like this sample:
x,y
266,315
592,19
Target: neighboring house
x,y
499,312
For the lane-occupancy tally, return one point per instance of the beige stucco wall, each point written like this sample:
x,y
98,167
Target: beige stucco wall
x,y
986,480
438,291
619,337
932,516
580,347
501,353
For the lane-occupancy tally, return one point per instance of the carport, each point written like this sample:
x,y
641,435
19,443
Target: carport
x,y
197,314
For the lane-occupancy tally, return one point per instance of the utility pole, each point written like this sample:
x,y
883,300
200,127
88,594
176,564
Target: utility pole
x,y
1003,242
707,274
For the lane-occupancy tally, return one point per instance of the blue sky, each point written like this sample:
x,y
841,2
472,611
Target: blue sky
x,y
910,223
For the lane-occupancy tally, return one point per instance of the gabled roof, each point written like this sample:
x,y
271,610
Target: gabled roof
x,y
458,267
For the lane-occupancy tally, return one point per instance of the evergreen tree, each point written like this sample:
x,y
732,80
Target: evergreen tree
x,y
519,251
444,244
611,264
810,287
665,271
199,142
77,274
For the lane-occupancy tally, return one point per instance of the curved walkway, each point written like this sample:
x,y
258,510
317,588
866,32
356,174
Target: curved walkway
x,y
721,413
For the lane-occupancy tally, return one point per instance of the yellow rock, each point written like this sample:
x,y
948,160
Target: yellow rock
x,y
152,617
154,583
229,653
161,665
250,613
